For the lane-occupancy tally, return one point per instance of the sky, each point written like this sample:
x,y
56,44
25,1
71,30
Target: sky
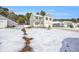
x,y
57,12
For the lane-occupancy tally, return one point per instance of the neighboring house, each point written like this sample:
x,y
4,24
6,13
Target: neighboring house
x,y
64,24
77,25
41,21
69,24
57,24
5,22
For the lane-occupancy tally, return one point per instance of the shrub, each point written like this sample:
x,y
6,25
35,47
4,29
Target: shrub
x,y
49,27
71,26
24,31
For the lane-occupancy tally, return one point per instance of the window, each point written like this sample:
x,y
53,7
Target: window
x,y
36,23
41,22
46,18
40,18
36,17
50,19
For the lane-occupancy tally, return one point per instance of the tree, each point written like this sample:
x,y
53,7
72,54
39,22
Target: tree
x,y
74,20
43,13
4,13
5,9
12,16
49,27
1,10
28,15
0,7
21,19
78,19
71,26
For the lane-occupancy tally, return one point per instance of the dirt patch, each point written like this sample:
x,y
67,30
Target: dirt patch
x,y
27,47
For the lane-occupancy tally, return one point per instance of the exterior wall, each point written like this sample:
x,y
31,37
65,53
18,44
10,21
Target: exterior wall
x,y
32,20
11,23
68,24
48,22
77,25
40,21
3,23
65,24
58,25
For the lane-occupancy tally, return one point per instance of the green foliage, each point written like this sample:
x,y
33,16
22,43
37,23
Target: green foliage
x,y
28,15
24,31
71,26
75,20
49,27
20,20
12,16
43,13
1,10
0,7
6,9
4,13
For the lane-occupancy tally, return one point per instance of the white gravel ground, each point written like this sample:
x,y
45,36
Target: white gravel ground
x,y
11,40
53,40
44,40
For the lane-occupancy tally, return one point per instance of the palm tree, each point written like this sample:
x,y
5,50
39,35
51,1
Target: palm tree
x,y
43,13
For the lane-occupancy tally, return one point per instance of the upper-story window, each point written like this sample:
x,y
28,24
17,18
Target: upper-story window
x,y
46,18
36,17
50,19
36,23
40,18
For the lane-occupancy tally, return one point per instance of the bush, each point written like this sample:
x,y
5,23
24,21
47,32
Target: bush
x,y
49,27
71,26
24,31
